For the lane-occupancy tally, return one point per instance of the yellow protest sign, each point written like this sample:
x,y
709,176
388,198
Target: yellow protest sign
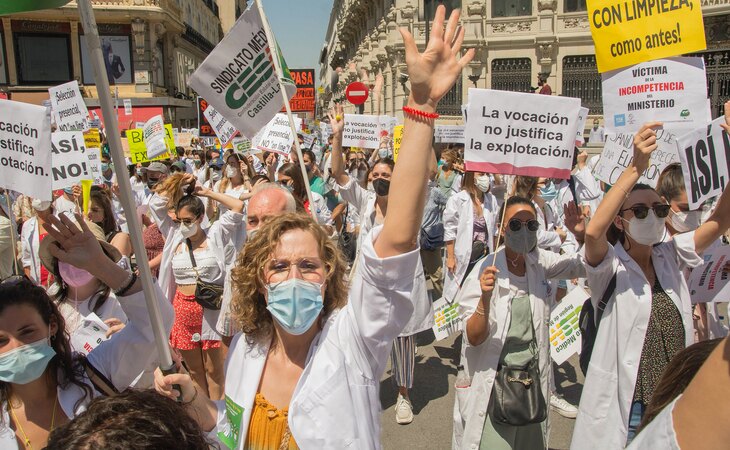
x,y
92,138
628,32
137,149
397,138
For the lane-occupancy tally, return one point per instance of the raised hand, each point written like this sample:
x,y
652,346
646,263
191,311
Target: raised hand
x,y
487,280
433,72
76,246
644,145
575,220
337,119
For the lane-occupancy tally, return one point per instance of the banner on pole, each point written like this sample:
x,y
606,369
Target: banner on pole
x,y
515,133
565,338
153,134
239,78
25,144
365,131
672,91
627,32
448,134
68,107
222,128
70,159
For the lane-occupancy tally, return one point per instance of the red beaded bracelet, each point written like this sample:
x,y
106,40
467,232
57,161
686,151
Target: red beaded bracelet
x,y
418,113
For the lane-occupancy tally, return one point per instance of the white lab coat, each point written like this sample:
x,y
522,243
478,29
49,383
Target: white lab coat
x,y
603,413
30,243
336,403
480,362
364,201
659,434
121,359
459,227
225,237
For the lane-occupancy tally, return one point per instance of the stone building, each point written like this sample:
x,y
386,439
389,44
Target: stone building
x,y
515,41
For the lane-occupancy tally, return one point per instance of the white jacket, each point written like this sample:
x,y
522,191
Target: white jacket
x,y
30,243
603,413
336,403
459,227
480,362
121,359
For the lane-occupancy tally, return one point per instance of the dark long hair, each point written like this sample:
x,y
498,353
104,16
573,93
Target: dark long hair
x,y
102,197
300,190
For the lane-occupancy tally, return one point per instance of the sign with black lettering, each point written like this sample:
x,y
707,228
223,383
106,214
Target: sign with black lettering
x,y
70,159
303,100
68,107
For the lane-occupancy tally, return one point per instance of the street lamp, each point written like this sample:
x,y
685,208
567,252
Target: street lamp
x,y
476,72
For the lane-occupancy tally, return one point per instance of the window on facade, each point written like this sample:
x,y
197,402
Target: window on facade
x,y
511,8
582,80
450,104
43,58
574,5
717,69
512,74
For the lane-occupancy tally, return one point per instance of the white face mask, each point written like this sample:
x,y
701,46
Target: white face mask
x,y
231,171
188,231
685,221
647,231
215,175
483,183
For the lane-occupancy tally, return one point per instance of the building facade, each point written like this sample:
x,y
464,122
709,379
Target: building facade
x,y
153,46
515,41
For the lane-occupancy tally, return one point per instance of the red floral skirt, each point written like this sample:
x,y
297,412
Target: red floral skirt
x,y
188,326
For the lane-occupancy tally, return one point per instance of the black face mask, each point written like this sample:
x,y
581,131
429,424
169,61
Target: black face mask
x,y
152,182
381,186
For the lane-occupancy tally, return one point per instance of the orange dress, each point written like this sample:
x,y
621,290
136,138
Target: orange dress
x,y
268,429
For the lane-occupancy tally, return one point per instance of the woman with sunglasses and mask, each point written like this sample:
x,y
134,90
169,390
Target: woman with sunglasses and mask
x,y
43,383
214,252
648,316
506,302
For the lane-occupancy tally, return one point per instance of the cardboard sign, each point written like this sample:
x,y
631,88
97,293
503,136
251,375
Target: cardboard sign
x,y
364,131
397,139
709,283
25,143
222,128
618,153
304,99
446,319
277,136
627,32
70,159
672,91
94,165
153,134
242,146
520,134
68,107
705,156
564,328
90,333
138,149
448,134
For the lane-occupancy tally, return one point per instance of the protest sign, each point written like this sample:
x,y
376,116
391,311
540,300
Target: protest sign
x,y
127,106
92,138
239,79
564,328
25,149
709,283
222,128
618,153
705,156
397,139
277,137
520,134
672,91
303,100
582,117
446,319
242,145
308,140
94,165
183,138
448,134
90,333
627,32
138,149
153,134
365,130
68,107
70,159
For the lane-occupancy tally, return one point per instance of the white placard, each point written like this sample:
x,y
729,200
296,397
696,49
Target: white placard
x,y
709,282
705,156
564,327
308,140
671,91
364,131
70,159
446,319
127,107
25,149
94,155
618,152
582,117
520,134
90,333
153,133
68,107
242,146
277,136
448,134
222,128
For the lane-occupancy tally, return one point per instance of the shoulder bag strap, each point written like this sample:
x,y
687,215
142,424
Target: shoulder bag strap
x,y
606,297
192,257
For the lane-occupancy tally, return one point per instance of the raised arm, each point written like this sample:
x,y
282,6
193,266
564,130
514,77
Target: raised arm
x,y
232,203
432,74
337,122
596,243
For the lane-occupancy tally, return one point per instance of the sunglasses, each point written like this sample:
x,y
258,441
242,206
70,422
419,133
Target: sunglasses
x,y
516,224
186,222
641,211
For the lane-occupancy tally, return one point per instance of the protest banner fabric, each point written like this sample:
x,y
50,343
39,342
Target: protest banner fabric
x,y
564,328
705,156
138,149
364,131
222,128
397,139
448,134
239,79
627,32
304,98
709,283
618,152
582,117
68,107
277,136
520,134
672,91
70,162
153,134
446,319
25,149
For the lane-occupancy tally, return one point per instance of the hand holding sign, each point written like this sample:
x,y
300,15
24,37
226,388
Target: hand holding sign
x,y
644,145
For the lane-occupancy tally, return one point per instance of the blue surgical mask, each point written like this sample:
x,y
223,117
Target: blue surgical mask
x,y
383,153
295,304
105,166
549,193
26,363
69,191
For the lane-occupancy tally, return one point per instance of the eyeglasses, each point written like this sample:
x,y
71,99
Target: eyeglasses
x,y
516,224
310,269
641,211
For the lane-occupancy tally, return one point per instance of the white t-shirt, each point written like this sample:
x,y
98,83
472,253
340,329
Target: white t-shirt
x,y
73,312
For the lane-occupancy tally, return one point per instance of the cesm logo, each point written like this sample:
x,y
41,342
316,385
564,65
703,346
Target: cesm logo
x,y
249,81
684,114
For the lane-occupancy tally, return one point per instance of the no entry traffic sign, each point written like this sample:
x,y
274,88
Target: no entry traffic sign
x,y
357,93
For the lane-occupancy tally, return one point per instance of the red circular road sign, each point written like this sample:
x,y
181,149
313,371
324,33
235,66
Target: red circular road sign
x,y
357,93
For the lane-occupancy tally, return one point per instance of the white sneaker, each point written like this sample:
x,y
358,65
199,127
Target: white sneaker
x,y
403,411
562,407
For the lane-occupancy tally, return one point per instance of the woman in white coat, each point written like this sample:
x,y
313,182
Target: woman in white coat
x,y
469,229
315,357
507,311
648,317
31,235
43,384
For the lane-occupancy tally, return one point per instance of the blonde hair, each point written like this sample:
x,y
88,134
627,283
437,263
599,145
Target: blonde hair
x,y
248,305
170,189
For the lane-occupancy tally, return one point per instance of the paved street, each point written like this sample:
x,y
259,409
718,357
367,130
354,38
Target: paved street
x,y
433,399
